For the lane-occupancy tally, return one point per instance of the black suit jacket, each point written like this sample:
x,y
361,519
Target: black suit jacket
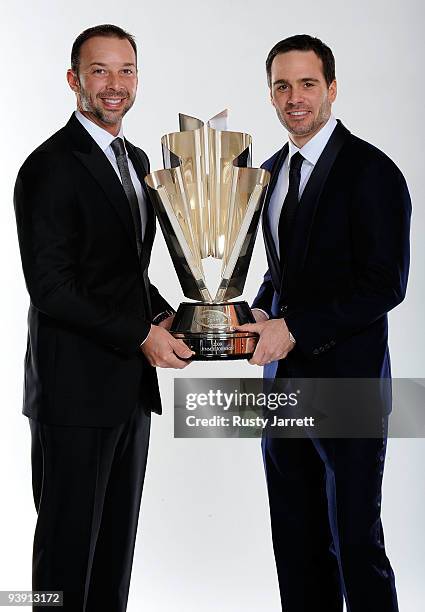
x,y
91,298
347,264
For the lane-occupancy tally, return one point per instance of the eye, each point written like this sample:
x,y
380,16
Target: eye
x,y
128,71
99,71
282,87
308,84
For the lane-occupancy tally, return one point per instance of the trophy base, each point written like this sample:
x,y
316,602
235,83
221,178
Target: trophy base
x,y
208,330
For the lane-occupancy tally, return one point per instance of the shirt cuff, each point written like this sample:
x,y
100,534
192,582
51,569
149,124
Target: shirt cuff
x,y
261,310
162,316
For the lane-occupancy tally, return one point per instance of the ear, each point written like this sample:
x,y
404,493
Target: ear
x,y
332,91
73,81
271,97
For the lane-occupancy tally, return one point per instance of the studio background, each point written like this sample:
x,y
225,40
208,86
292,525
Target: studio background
x,y
204,539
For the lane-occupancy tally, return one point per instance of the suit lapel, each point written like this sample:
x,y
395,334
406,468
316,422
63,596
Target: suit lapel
x,y
307,208
272,255
96,162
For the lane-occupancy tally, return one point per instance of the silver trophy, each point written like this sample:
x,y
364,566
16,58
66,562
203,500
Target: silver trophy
x,y
208,201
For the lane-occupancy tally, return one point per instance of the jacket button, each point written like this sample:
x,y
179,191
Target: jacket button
x,y
316,352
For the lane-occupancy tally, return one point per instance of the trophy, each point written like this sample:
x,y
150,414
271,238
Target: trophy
x,y
208,202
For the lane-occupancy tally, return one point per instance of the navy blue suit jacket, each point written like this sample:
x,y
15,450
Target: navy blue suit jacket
x,y
347,264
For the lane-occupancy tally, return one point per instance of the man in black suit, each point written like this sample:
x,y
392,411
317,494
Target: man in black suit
x,y
97,328
336,229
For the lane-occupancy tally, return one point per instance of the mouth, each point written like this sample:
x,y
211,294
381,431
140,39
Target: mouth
x,y
298,114
112,103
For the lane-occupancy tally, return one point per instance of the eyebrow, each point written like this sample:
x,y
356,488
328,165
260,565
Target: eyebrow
x,y
102,64
303,80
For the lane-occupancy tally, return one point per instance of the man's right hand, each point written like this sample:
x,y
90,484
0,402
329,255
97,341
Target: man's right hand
x,y
162,350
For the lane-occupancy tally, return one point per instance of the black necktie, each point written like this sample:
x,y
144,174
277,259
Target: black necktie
x,y
290,206
120,154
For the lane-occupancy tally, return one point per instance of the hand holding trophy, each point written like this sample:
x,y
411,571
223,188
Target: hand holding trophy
x,y
212,213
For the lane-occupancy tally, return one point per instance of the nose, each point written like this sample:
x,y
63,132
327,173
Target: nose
x,y
296,96
113,80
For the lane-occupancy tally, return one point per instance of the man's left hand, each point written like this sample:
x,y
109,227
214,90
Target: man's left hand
x,y
274,342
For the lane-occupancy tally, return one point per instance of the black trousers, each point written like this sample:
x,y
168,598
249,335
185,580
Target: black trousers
x,y
325,506
87,485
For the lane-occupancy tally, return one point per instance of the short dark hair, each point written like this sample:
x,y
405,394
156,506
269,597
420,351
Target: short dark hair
x,y
304,42
107,30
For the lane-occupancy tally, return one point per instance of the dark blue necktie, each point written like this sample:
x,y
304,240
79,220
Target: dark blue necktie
x,y
120,154
290,207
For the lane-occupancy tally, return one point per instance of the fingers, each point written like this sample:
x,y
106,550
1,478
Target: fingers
x,y
264,360
181,349
177,355
172,361
274,342
167,360
260,358
261,355
266,352
162,350
250,327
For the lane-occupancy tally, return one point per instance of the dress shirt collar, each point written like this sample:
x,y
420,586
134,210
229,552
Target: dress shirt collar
x,y
99,135
312,149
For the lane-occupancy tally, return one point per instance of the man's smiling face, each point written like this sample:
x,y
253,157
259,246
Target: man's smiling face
x,y
300,94
106,81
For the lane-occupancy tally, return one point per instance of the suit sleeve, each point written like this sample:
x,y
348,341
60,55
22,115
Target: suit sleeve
x,y
380,222
158,303
264,297
47,223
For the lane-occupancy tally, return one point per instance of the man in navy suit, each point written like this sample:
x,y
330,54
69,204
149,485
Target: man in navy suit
x,y
336,230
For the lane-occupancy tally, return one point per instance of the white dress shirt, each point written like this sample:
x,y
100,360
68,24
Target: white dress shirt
x,y
311,152
104,139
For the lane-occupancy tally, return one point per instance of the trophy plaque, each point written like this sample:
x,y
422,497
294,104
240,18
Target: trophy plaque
x,y
208,202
